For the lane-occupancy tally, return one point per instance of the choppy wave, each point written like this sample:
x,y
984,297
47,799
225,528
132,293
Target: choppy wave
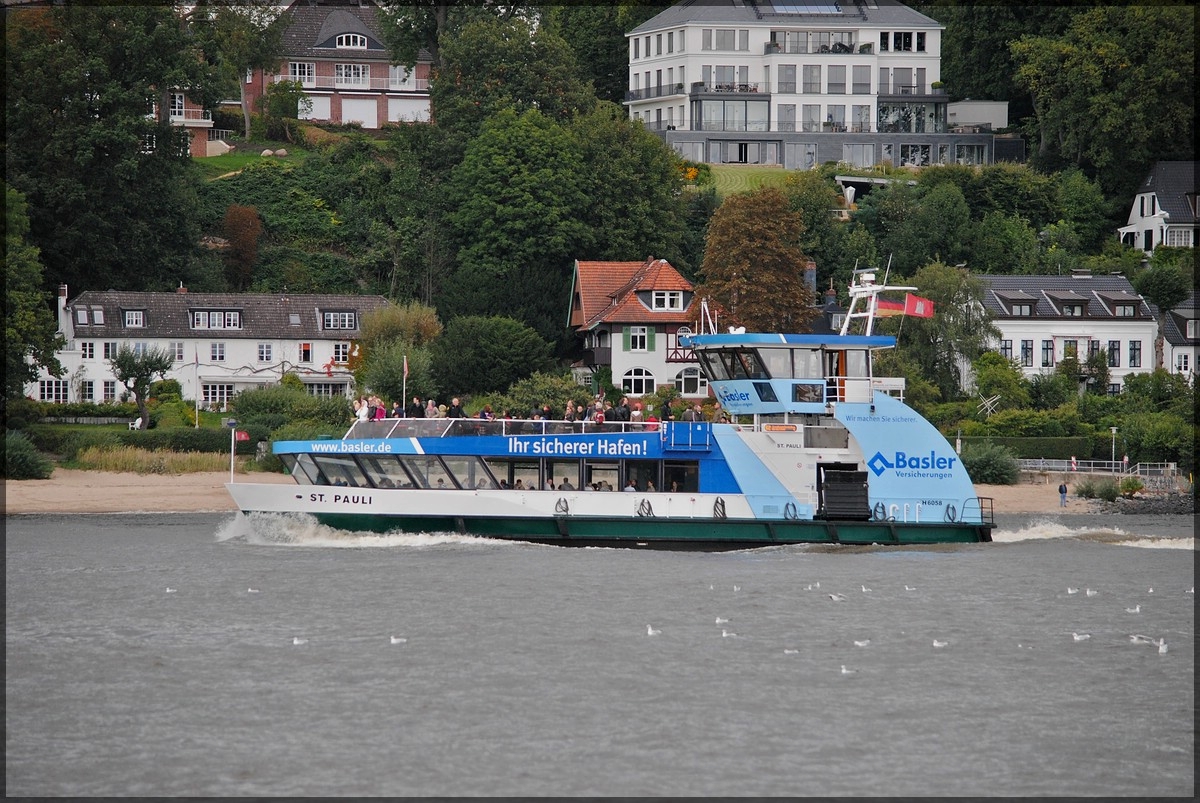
x,y
299,529
1048,529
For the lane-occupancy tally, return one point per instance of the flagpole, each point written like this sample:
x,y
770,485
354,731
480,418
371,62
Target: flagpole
x,y
404,386
232,445
196,381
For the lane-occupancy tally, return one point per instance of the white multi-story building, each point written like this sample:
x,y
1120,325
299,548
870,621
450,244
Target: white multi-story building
x,y
1181,338
1042,319
798,84
222,343
1164,209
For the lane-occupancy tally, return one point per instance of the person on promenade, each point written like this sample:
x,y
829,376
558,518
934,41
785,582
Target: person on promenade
x,y
1062,494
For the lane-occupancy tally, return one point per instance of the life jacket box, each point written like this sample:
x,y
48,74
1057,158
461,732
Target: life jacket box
x,y
844,496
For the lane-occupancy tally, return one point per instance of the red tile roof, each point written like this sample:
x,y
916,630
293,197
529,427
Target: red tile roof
x,y
605,292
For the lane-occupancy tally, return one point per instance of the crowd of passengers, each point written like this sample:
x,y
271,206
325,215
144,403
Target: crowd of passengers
x,y
598,411
519,485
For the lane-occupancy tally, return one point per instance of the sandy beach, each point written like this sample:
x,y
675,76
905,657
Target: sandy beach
x,y
72,491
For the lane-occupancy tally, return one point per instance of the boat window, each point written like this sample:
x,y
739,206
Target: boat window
x,y
341,471
765,392
808,392
385,472
806,364
468,471
428,472
680,477
778,362
602,475
301,467
856,363
559,470
644,474
734,368
714,368
752,365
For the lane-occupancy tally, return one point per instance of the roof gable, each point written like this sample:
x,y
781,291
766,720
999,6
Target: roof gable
x,y
609,292
1174,184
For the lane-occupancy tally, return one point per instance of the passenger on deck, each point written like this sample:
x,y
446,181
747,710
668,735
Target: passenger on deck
x,y
416,409
566,485
518,486
455,410
631,486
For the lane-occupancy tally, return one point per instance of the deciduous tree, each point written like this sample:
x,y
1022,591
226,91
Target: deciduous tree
x,y
136,371
478,354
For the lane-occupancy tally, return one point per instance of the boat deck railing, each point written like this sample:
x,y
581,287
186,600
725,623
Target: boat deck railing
x,y
462,427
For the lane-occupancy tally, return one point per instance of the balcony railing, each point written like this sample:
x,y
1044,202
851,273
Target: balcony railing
x,y
803,48
191,116
654,92
751,87
373,84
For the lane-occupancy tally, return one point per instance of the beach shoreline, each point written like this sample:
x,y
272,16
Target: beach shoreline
x,y
77,491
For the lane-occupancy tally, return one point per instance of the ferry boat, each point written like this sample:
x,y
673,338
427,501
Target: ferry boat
x,y
818,451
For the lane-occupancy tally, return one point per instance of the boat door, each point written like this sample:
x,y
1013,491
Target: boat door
x,y
835,373
842,492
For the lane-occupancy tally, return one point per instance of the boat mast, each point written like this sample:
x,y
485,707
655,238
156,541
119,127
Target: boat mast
x,y
863,289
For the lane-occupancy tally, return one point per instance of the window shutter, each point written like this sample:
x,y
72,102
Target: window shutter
x,y
649,338
624,338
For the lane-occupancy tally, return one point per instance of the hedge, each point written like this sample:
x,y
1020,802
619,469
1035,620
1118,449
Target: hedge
x,y
1030,448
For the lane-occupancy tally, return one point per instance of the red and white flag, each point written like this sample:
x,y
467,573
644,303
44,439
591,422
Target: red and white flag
x,y
242,435
917,307
406,366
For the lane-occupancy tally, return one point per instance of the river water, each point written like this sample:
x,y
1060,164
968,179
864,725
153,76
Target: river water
x,y
442,665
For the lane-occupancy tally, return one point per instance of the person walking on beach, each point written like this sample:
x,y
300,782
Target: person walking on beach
x,y
1062,494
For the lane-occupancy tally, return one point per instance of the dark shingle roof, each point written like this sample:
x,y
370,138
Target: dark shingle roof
x,y
1099,293
1175,323
313,30
264,315
1172,183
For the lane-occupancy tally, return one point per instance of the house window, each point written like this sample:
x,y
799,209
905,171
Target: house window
x,y
859,155
1071,348
1006,349
87,391
1114,354
176,105
668,299
1093,348
400,77
217,351
97,316
339,320
341,352
1023,310
920,42
306,352
637,338
690,382
1191,329
175,348
135,318
352,74
1123,311
1027,353
1135,354
1047,353
1182,362
638,382
902,40
110,350
810,78
214,319
884,39
264,352
670,41
303,71
87,350
216,396
837,79
140,349
637,48
81,316
1114,388
110,390
1178,237
354,41
1072,310
328,390
53,390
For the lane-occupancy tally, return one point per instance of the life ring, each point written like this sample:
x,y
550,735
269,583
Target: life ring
x,y
561,506
879,512
951,513
790,512
645,509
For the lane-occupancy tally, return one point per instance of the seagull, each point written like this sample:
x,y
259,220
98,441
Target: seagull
x,y
1138,638
846,671
399,640
1081,636
298,641
1162,646
170,590
1072,590
862,643
937,643
1191,590
837,597
909,588
721,621
737,588
1091,593
1151,591
817,584
710,588
808,587
251,590
1135,609
865,589
650,631
786,651
726,634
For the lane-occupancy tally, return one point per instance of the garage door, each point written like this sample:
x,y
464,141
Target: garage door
x,y
365,111
319,110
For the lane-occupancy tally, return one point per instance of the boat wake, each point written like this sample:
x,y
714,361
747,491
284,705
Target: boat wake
x,y
299,529
1047,530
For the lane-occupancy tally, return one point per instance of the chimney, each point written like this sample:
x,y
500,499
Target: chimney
x,y
62,291
181,289
810,276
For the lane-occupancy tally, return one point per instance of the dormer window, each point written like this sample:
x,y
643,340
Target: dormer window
x,y
352,41
81,316
1072,310
339,320
1191,329
135,318
667,300
1123,311
1022,310
216,319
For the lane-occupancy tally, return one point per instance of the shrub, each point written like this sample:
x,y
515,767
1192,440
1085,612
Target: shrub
x,y
1131,485
20,413
1085,489
295,431
1107,490
22,461
991,465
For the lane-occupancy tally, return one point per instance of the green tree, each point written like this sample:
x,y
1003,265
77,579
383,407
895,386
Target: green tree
x,y
283,104
414,323
136,371
1004,244
1096,373
596,33
111,191
242,229
753,264
1050,391
914,225
997,376
478,354
813,195
241,35
382,372
30,329
1114,92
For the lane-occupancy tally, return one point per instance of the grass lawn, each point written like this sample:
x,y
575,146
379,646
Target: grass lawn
x,y
212,167
732,179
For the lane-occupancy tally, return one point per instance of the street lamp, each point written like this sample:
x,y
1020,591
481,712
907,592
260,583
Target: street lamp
x,y
1113,430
